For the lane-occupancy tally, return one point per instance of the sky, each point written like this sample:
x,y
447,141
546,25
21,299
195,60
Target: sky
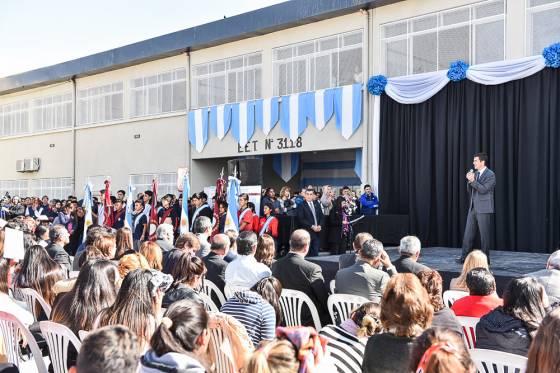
x,y
38,33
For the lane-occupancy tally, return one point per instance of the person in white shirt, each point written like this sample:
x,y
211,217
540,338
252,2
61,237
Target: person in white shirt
x,y
244,271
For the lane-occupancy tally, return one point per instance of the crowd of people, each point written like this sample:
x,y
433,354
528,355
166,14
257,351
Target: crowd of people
x,y
142,302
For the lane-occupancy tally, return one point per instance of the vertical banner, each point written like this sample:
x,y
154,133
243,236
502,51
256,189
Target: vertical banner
x,y
293,114
220,120
348,109
87,206
232,221
129,206
286,165
322,109
243,121
266,114
184,226
198,128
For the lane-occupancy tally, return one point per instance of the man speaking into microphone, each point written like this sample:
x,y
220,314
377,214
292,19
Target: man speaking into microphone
x,y
480,185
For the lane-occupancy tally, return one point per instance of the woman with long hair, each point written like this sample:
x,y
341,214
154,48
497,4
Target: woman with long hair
x,y
179,341
8,303
543,355
266,249
123,242
270,289
188,272
512,327
106,243
137,304
152,253
347,341
130,262
475,259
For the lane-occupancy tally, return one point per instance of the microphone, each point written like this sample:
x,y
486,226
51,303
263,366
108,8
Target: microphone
x,y
471,171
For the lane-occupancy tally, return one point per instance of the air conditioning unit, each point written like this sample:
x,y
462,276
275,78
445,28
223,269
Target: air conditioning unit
x,y
20,165
35,164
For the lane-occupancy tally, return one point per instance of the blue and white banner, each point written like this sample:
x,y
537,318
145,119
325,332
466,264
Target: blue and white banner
x,y
184,222
198,128
232,221
358,164
286,165
87,206
295,109
129,206
266,114
243,121
348,109
329,168
220,120
323,107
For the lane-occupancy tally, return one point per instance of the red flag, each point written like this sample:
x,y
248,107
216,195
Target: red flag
x,y
153,213
107,205
219,197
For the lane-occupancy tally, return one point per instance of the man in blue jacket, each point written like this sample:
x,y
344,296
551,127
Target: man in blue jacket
x,y
368,202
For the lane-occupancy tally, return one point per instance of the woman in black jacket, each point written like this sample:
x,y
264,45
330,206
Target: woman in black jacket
x,y
512,327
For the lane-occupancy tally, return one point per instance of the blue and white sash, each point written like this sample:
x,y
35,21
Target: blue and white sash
x,y
265,226
137,220
247,209
196,212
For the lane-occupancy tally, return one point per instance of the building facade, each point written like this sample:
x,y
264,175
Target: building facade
x,y
123,113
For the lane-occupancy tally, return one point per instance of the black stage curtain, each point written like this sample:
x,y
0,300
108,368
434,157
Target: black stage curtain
x,y
427,148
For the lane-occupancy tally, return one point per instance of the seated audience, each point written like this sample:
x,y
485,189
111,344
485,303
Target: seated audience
x,y
152,253
254,312
550,277
440,350
232,253
130,262
347,341
405,313
512,327
109,349
475,259
8,303
164,237
482,296
178,343
409,251
186,242
348,259
137,304
543,354
123,242
202,228
59,238
215,263
106,243
188,272
244,272
265,250
294,272
363,278
92,234
42,235
443,316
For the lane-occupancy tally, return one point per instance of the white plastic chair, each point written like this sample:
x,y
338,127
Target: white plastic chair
x,y
208,287
11,329
332,286
82,334
31,297
57,337
209,305
292,302
468,326
450,296
228,292
489,361
343,305
73,274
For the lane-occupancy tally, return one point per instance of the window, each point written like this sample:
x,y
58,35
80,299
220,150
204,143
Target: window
x,y
100,104
233,80
316,64
58,188
14,118
543,25
473,33
157,94
14,187
167,183
52,112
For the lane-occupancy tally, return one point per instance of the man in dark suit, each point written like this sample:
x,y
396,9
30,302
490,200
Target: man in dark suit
x,y
294,272
59,238
310,217
215,263
481,206
409,251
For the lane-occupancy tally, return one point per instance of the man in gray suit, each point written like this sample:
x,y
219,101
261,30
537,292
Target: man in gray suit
x,y
348,259
363,278
550,277
481,207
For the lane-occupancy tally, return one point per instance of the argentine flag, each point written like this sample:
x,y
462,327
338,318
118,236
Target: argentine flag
x,y
184,224
243,121
348,109
198,128
129,205
322,107
232,221
266,114
220,120
293,116
286,165
87,206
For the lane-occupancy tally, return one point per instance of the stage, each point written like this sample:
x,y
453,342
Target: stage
x,y
505,265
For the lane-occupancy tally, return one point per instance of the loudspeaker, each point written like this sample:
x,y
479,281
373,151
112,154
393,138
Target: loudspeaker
x,y
249,170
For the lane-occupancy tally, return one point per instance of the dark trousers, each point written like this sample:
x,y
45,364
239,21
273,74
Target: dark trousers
x,y
482,222
315,243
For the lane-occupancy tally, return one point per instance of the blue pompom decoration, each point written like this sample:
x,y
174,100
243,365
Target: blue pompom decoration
x,y
376,85
551,55
457,70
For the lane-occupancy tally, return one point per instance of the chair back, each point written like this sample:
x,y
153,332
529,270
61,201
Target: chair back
x,y
208,287
342,305
32,297
82,334
489,361
292,302
11,329
450,296
223,363
58,337
209,304
332,285
468,326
